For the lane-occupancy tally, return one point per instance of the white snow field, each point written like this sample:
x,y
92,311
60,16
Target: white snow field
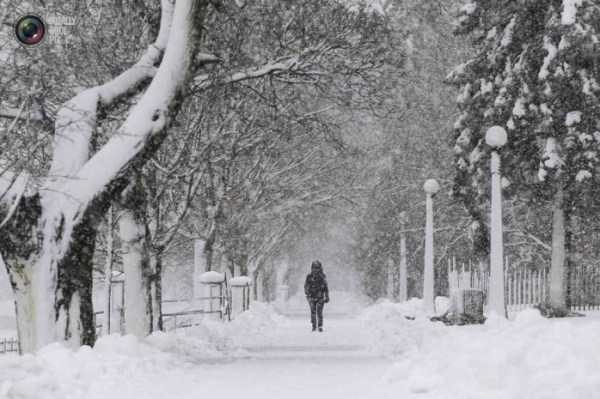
x,y
379,354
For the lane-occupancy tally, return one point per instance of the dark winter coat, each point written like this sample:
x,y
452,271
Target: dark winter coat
x,y
316,286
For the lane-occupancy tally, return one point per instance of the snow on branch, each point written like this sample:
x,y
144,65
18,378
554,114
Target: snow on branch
x,y
148,119
12,188
283,65
76,120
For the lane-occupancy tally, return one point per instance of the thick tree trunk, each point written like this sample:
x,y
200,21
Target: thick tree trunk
x,y
137,260
138,274
49,260
557,268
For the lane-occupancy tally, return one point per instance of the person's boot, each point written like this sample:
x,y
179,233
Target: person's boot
x,y
314,328
320,329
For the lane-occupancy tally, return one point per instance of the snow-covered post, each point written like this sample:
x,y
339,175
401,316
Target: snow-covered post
x,y
496,137
212,294
240,294
431,187
403,285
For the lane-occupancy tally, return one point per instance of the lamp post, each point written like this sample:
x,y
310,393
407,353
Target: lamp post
x,y
496,137
431,187
403,286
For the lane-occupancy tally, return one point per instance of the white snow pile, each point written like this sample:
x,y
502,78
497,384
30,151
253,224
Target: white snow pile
x,y
260,320
532,357
59,372
397,328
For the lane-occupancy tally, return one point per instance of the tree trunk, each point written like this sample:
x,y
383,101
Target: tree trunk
x,y
108,267
557,268
568,260
49,259
403,294
156,291
199,266
138,274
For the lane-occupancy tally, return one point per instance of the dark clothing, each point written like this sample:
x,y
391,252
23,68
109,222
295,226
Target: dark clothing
x,y
316,312
317,293
316,286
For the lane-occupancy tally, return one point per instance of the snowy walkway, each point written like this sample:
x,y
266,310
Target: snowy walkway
x,y
290,363
297,363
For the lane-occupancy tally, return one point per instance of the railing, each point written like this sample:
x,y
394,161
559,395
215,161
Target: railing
x,y
523,289
527,288
9,345
584,290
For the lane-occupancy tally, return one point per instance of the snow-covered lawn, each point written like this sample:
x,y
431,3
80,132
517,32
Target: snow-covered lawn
x,y
379,354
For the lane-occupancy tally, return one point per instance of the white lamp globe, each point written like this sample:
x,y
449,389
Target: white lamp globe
x,y
431,186
496,137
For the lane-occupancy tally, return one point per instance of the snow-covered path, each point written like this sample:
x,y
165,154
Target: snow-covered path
x,y
291,362
297,363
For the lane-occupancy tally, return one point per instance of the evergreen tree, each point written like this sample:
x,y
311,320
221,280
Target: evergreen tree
x,y
535,74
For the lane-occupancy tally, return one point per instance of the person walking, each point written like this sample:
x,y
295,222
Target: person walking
x,y
317,293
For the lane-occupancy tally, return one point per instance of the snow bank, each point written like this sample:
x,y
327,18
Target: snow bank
x,y
58,372
397,328
260,320
531,357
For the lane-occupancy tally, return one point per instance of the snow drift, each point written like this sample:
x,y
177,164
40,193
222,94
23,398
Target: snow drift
x,y
530,357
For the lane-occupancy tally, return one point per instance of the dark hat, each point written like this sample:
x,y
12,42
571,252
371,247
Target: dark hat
x,y
316,265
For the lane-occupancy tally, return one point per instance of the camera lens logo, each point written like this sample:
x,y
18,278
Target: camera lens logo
x,y
30,30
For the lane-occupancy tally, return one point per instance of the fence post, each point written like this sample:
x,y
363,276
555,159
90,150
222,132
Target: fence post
x,y
211,300
240,294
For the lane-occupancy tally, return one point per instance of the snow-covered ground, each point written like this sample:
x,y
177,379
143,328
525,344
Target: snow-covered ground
x,y
379,354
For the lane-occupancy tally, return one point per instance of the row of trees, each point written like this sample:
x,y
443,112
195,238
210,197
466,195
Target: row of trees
x,y
226,128
531,67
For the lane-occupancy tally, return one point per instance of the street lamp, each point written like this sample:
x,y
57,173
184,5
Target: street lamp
x,y
496,137
431,187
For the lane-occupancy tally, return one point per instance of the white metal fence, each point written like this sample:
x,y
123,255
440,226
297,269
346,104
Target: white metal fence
x,y
523,289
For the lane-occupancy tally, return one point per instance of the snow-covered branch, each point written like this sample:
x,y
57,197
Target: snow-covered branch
x,y
76,120
12,188
144,128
